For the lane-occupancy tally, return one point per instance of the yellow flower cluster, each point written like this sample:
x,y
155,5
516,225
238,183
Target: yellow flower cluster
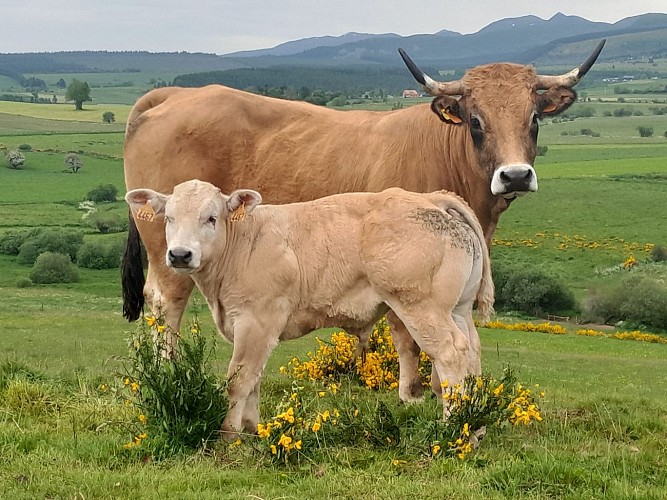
x,y
287,432
527,327
138,439
634,335
630,262
643,337
378,370
523,408
565,242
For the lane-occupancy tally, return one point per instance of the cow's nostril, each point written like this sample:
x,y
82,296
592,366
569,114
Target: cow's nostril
x,y
505,178
528,174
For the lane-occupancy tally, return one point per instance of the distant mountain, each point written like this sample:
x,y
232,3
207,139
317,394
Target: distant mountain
x,y
304,44
560,40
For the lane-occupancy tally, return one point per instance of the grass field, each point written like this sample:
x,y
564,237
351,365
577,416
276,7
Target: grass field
x,y
605,424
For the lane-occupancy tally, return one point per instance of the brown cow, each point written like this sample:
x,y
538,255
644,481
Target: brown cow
x,y
275,272
480,145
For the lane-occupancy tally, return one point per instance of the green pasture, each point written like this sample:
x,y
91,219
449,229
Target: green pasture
x,y
91,112
605,408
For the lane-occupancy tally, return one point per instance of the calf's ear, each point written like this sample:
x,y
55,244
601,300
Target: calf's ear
x,y
242,202
140,199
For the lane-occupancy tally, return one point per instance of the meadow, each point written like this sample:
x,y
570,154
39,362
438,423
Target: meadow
x,y
600,199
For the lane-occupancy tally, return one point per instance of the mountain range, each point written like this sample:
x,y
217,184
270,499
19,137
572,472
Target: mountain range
x,y
560,40
527,39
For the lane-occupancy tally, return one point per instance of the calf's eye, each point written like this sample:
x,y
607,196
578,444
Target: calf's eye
x,y
212,220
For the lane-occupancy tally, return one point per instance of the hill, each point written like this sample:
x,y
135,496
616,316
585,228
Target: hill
x,y
522,39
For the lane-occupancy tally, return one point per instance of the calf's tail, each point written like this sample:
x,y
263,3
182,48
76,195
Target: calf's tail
x,y
132,274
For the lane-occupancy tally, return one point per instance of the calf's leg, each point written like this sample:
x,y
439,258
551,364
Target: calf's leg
x,y
253,343
410,388
440,338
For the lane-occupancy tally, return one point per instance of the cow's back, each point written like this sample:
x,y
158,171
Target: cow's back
x,y
287,150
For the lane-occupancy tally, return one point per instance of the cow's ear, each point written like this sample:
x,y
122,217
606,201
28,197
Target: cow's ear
x,y
241,202
447,109
146,200
555,100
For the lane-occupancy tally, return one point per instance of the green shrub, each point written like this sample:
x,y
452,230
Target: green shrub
x,y
106,222
659,253
25,147
103,192
54,268
11,241
542,150
100,255
24,283
182,400
66,242
645,131
529,290
638,300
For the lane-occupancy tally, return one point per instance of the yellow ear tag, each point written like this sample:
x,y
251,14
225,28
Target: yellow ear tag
x,y
550,109
146,213
450,118
239,214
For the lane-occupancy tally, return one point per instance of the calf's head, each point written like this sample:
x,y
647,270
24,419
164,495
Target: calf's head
x,y
196,218
500,104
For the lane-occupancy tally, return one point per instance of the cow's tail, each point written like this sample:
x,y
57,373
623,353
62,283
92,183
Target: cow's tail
x,y
132,274
486,293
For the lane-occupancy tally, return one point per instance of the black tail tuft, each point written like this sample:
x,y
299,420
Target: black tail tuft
x,y
132,274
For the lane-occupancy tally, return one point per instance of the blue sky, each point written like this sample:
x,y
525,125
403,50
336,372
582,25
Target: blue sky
x,y
223,26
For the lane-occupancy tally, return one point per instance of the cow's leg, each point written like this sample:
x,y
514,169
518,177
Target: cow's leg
x,y
440,338
166,293
410,388
253,342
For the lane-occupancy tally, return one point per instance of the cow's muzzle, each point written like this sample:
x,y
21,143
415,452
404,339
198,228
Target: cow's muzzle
x,y
511,181
180,258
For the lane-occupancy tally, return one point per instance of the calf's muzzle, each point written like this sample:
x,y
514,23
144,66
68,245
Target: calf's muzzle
x,y
179,257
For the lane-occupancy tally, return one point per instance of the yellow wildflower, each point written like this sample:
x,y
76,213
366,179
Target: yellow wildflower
x,y
142,418
435,449
150,320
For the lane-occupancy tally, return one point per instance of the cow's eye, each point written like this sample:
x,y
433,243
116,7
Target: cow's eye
x,y
475,124
212,220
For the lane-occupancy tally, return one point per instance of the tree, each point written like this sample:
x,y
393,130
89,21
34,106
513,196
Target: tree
x,y
15,159
73,162
79,92
61,84
108,117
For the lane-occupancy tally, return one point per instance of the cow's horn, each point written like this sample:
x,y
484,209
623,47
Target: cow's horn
x,y
428,84
570,79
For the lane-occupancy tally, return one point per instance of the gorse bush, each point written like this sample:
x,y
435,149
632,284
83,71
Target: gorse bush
x,y
310,420
65,242
181,401
54,268
645,131
103,192
529,290
637,300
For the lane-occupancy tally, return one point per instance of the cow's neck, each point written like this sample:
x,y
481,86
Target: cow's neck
x,y
452,163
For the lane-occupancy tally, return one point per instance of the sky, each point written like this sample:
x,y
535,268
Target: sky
x,y
224,26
